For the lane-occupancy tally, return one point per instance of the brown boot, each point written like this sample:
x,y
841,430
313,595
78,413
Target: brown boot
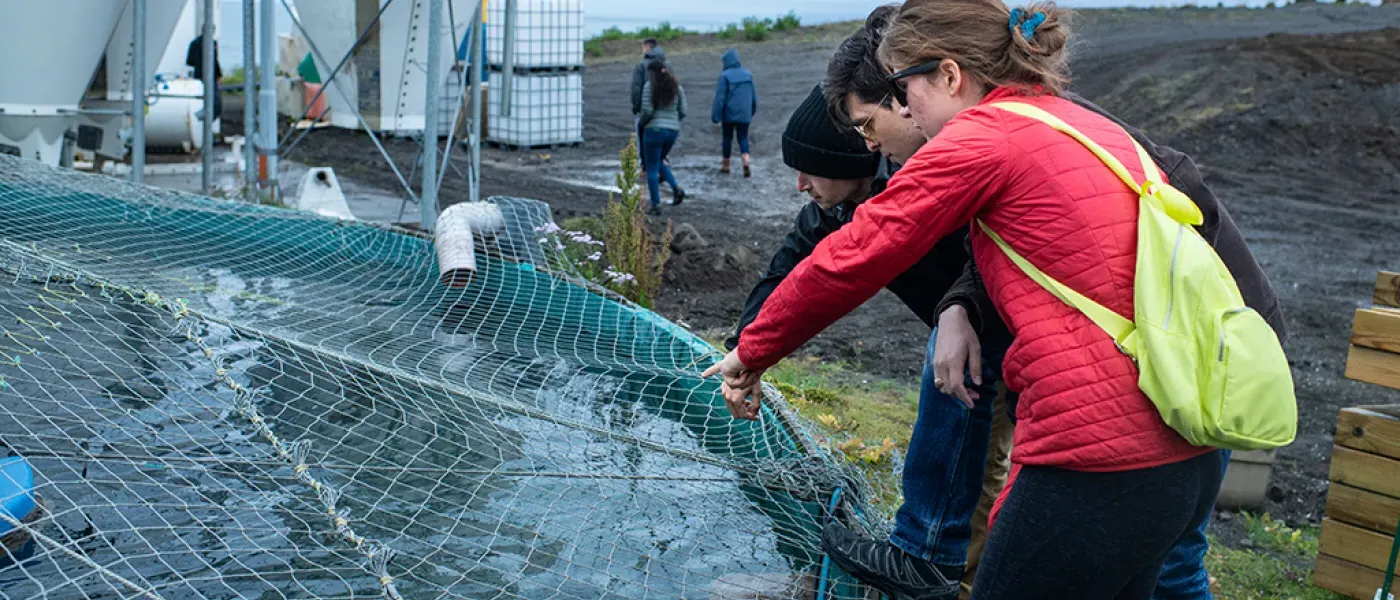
x,y
724,167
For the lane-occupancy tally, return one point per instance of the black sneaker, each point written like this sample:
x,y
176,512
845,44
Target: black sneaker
x,y
882,566
654,211
677,197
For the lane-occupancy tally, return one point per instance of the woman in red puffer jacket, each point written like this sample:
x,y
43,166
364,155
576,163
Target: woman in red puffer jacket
x,y
1103,488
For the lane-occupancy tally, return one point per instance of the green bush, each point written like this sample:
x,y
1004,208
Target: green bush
x,y
635,255
788,22
730,32
663,32
612,33
756,29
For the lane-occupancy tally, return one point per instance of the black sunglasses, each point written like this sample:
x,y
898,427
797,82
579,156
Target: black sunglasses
x,y
897,83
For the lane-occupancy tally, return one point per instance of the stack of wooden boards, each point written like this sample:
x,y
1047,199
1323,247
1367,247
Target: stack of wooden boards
x,y
1363,501
1375,336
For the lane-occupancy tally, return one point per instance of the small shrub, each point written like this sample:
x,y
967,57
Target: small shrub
x,y
788,22
618,251
730,32
612,33
663,32
636,257
756,29
594,47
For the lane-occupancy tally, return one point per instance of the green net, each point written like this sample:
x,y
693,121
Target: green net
x,y
233,401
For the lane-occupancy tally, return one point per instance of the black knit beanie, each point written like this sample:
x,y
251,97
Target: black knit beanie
x,y
815,144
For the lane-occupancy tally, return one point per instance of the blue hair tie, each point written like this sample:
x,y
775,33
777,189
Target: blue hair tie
x,y
1025,24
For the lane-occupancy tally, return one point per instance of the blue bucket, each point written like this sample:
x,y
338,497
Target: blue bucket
x,y
16,491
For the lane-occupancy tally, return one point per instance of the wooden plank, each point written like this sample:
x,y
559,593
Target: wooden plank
x,y
1387,289
1366,471
1354,544
1369,429
1374,366
1379,329
1346,577
1364,509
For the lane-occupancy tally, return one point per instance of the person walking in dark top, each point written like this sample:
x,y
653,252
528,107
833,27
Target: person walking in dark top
x,y
663,109
651,52
194,58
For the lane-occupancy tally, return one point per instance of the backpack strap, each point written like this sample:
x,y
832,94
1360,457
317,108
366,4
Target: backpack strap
x,y
1114,324
1121,329
1176,204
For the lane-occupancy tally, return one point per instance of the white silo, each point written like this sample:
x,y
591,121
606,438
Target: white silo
x,y
51,49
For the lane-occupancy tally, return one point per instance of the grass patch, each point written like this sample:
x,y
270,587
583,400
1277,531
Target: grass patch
x,y
867,420
1263,574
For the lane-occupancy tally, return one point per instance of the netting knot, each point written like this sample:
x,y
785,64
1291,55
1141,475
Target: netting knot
x,y
301,450
329,496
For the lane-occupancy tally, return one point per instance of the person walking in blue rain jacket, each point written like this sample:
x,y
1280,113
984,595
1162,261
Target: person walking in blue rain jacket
x,y
735,103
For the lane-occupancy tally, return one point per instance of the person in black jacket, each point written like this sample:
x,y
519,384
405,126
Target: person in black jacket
x,y
194,58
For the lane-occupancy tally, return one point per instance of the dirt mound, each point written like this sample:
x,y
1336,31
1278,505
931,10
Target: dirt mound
x,y
1369,57
713,268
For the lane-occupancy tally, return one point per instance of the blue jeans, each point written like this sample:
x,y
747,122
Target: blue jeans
x,y
943,469
1183,575
656,146
729,131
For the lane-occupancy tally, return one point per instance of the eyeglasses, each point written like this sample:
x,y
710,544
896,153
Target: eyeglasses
x,y
861,129
896,79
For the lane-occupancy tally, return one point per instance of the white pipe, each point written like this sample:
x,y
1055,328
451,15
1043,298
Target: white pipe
x,y
138,90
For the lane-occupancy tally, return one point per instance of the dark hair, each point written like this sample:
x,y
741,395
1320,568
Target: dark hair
x,y
663,84
855,69
984,39
650,42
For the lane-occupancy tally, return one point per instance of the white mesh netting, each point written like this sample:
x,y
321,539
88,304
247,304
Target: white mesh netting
x,y
234,401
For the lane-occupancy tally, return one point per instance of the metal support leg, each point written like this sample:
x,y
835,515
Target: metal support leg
x,y
138,90
210,88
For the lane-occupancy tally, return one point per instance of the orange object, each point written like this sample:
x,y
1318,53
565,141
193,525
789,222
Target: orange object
x,y
317,110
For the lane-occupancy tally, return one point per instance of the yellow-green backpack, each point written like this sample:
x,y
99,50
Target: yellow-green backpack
x,y
1212,366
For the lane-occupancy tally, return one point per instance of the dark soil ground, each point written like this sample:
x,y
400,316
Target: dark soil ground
x,y
1292,113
